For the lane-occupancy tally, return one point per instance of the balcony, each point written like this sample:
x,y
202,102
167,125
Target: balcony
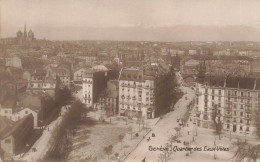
x,y
88,82
247,117
123,85
228,114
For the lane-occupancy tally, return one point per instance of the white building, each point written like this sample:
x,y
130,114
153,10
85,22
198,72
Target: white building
x,y
78,74
136,93
87,87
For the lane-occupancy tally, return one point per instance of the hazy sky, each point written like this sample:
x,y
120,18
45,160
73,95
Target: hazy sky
x,y
42,15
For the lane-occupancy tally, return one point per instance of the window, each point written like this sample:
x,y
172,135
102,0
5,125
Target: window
x,y
241,120
242,93
241,113
241,128
247,129
6,112
235,112
213,91
8,141
228,126
235,99
219,92
212,97
242,100
206,90
242,107
235,120
235,106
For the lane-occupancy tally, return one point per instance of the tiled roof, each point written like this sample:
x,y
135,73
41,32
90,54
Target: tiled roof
x,y
132,74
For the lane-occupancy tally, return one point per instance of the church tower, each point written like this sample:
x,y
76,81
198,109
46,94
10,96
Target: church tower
x,y
25,33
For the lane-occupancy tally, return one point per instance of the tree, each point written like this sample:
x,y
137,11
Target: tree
x,y
172,138
257,123
216,120
91,158
177,129
108,150
166,155
139,122
121,137
245,150
63,96
130,130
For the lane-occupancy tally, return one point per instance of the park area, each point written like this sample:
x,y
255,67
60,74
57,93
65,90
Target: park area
x,y
92,139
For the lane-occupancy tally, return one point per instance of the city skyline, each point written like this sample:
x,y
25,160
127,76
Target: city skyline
x,y
134,20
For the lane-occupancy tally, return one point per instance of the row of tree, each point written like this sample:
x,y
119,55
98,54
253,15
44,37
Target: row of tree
x,y
62,136
51,108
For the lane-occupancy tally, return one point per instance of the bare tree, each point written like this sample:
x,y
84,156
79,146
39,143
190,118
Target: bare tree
x,y
130,130
166,155
139,122
172,138
217,123
108,150
254,152
246,151
91,158
121,137
177,129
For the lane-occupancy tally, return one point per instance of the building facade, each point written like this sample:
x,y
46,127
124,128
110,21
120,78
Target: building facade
x,y
236,100
136,94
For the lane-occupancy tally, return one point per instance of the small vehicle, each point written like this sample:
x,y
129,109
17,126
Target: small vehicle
x,y
153,135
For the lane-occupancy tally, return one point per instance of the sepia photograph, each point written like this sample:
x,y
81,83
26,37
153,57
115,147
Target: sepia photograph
x,y
130,80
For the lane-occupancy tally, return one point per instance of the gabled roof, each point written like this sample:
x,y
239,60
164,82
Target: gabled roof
x,y
15,130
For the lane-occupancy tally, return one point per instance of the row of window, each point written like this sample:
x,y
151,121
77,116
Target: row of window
x,y
128,107
240,128
235,93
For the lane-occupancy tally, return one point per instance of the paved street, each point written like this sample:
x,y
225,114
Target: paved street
x,y
163,130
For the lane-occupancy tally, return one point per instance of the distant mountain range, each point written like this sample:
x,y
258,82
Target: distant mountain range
x,y
175,33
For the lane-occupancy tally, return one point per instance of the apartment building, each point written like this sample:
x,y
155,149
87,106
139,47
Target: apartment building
x,y
94,82
236,100
108,99
136,93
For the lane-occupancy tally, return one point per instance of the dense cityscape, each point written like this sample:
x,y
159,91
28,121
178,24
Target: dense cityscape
x,y
113,93
130,81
